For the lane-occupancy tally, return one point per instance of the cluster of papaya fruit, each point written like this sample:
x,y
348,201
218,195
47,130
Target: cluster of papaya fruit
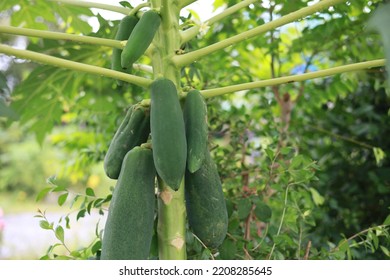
x,y
160,139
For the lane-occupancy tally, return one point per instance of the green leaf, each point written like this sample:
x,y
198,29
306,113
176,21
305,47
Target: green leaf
x,y
89,192
43,193
263,212
80,214
244,207
387,221
59,189
317,198
67,222
89,207
59,232
45,225
296,162
385,250
379,155
62,198
228,250
285,150
270,153
126,4
96,247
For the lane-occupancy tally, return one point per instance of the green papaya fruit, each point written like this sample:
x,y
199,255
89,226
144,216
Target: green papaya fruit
x,y
205,204
140,39
195,119
125,28
168,132
133,131
129,226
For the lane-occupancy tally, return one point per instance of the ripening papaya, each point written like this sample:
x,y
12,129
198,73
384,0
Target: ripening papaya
x,y
140,39
168,132
133,131
129,226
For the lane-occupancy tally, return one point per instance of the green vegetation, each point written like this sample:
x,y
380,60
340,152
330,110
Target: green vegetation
x,y
298,116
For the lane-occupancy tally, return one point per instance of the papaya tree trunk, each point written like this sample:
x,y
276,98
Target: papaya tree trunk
x,y
171,227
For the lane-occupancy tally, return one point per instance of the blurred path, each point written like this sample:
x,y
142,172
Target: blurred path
x,y
24,239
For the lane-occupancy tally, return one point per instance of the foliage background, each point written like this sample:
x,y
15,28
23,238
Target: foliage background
x,y
304,165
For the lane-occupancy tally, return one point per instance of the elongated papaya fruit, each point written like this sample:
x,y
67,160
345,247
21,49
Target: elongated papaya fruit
x,y
195,119
205,203
168,132
133,131
140,39
125,28
128,230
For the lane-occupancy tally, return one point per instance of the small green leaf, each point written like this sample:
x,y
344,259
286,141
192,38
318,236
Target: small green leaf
x,y
74,200
296,162
125,4
67,222
62,198
98,202
96,247
385,251
59,189
270,153
244,207
263,212
45,224
285,150
43,193
89,192
75,254
228,250
379,155
80,214
51,180
317,198
60,233
89,207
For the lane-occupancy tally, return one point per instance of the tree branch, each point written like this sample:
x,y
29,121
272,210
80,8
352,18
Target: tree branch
x,y
229,11
185,59
60,36
184,3
77,66
112,8
294,78
193,31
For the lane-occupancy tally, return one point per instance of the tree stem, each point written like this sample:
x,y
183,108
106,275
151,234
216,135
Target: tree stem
x,y
185,59
171,225
294,78
60,36
87,4
77,66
